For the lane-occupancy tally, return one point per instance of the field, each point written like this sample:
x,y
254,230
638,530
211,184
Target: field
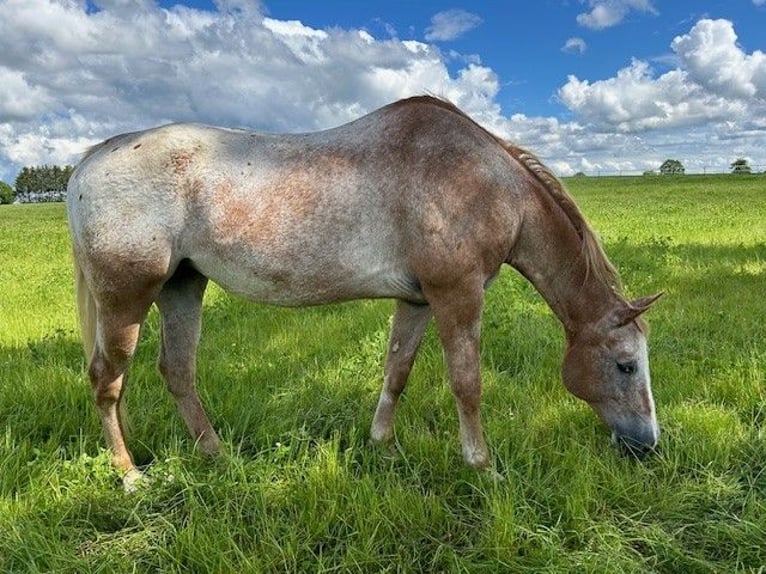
x,y
293,393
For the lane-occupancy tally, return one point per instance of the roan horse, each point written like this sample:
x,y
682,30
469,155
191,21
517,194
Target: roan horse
x,y
414,202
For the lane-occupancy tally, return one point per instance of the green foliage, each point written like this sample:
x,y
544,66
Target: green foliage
x,y
672,167
293,392
6,193
42,179
740,166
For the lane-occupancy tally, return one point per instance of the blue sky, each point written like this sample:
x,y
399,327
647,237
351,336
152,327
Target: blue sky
x,y
522,40
600,86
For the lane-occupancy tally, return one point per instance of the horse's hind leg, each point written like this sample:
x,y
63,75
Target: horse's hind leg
x,y
117,331
407,330
180,305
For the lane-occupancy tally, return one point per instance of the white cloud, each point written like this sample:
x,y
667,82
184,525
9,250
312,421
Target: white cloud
x,y
574,45
608,13
715,61
712,95
70,77
451,24
759,2
715,81
635,101
18,99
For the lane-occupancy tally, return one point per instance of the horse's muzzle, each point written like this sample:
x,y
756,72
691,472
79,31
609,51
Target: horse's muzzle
x,y
636,445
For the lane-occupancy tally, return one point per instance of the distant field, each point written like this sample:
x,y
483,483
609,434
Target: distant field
x,y
293,393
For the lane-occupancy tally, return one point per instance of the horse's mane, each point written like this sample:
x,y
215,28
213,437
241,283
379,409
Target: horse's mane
x,y
596,261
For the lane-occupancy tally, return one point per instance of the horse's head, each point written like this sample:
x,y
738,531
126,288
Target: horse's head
x,y
607,365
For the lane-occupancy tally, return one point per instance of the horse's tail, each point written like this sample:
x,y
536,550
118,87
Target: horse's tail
x,y
86,310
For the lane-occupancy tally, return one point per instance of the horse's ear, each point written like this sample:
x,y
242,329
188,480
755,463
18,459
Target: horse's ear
x,y
630,311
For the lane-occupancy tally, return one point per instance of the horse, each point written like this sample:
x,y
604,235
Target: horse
x,y
414,202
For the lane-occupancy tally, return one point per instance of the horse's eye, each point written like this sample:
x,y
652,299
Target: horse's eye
x,y
628,368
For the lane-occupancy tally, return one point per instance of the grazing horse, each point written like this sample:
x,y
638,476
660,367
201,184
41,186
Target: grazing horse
x,y
414,202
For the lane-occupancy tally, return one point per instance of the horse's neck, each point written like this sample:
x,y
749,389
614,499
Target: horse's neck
x,y
549,253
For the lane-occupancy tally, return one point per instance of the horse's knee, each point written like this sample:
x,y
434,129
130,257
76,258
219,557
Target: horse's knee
x,y
110,360
105,380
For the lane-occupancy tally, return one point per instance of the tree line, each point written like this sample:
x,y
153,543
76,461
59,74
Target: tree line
x,y
43,178
675,167
38,183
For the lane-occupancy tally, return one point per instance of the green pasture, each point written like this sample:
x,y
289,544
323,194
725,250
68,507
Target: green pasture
x,y
293,393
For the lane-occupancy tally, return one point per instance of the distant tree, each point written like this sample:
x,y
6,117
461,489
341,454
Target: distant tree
x,y
740,165
650,172
579,174
6,193
24,181
672,167
45,182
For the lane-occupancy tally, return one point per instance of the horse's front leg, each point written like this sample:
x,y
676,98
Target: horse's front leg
x,y
408,325
457,312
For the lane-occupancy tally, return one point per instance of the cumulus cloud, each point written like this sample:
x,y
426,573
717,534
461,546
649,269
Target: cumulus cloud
x,y
635,100
73,73
451,24
714,92
574,46
715,61
608,13
715,81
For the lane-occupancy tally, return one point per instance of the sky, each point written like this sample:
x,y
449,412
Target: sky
x,y
593,86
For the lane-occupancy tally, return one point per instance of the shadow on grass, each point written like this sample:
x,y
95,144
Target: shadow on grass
x,y
706,286
264,374
41,393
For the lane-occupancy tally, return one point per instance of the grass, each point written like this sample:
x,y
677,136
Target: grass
x,y
293,392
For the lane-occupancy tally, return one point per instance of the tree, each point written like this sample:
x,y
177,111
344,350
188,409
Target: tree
x,y
740,165
6,193
42,183
672,167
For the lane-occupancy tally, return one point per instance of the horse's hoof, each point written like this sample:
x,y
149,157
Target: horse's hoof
x,y
209,445
493,475
133,480
387,448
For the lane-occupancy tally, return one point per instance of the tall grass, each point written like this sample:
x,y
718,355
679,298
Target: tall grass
x,y
293,392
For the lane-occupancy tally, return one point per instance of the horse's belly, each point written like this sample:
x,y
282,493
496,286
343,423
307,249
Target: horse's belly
x,y
309,283
304,246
